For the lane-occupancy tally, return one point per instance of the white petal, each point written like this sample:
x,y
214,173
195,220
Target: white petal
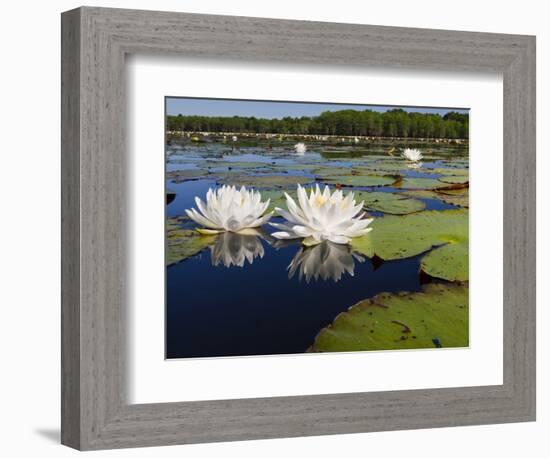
x,y
261,221
341,239
285,235
198,218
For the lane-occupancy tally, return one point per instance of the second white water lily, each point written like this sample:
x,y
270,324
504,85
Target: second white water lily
x,y
412,154
322,216
228,209
300,148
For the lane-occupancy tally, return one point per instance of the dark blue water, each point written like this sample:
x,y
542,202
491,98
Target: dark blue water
x,y
258,310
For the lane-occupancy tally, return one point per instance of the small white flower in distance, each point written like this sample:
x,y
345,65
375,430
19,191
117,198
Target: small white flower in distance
x,y
300,148
412,154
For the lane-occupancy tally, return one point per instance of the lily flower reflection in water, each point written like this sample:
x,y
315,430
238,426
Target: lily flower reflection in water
x,y
232,249
326,261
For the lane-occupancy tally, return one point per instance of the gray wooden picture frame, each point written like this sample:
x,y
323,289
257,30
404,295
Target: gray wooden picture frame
x,y
95,412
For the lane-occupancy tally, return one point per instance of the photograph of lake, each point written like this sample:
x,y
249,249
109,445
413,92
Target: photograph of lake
x,y
296,227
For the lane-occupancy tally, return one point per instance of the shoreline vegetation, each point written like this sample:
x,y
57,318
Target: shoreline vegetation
x,y
226,137
343,125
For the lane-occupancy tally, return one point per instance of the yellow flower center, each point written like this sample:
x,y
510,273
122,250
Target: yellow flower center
x,y
320,200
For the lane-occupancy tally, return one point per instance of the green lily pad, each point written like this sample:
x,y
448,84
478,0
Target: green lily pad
x,y
297,167
399,237
421,193
456,197
238,164
180,176
447,171
184,243
266,181
388,202
456,163
360,180
457,201
455,179
438,316
418,183
448,261
366,244
331,171
382,167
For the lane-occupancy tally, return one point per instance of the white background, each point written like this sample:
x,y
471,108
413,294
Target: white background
x,y
155,380
29,234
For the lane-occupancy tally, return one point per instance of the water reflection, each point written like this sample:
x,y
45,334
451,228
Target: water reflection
x,y
231,249
326,261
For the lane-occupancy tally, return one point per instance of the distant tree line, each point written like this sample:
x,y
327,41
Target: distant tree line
x,y
392,123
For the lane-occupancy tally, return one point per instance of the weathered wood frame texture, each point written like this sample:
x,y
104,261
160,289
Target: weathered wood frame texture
x,y
95,413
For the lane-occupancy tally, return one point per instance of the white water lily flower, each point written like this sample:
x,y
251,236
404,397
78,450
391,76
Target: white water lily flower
x,y
412,154
234,138
233,249
322,216
327,261
300,148
228,209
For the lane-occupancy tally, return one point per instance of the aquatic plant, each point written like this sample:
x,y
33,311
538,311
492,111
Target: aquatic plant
x,y
300,148
435,317
327,261
322,216
228,209
412,154
441,237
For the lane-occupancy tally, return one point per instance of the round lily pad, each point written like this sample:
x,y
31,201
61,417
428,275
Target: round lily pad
x,y
418,183
455,179
448,261
382,167
388,202
294,167
331,171
180,176
238,164
184,243
436,317
449,171
399,237
458,197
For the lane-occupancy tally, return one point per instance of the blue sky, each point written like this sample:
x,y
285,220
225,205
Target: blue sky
x,y
270,110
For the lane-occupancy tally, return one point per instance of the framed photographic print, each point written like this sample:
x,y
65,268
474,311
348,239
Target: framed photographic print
x,y
269,236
